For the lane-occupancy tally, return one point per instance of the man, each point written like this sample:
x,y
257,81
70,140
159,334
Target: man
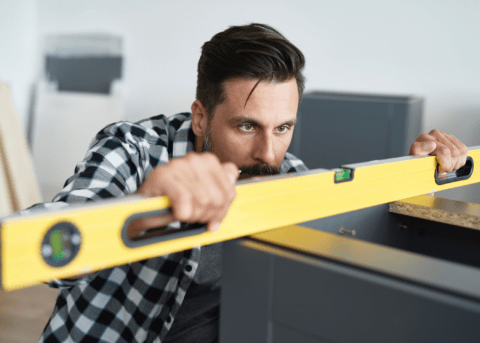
x,y
249,86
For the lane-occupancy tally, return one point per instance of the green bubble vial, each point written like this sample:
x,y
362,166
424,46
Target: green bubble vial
x,y
57,245
343,175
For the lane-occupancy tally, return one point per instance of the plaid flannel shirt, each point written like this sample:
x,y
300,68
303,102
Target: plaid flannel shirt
x,y
136,302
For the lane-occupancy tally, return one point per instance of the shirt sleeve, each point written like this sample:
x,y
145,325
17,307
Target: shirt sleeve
x,y
292,164
115,165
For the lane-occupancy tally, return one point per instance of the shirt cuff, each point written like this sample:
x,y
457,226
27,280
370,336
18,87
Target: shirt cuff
x,y
64,283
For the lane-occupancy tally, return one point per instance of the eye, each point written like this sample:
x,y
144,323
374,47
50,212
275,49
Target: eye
x,y
283,128
246,127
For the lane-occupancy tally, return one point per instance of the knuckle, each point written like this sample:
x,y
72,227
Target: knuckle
x,y
219,198
443,150
435,132
209,156
230,167
190,157
423,137
183,199
214,161
159,172
417,147
198,215
208,161
181,214
219,203
203,202
455,152
171,167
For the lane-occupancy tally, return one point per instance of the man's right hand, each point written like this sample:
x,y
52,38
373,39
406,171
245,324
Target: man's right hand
x,y
201,188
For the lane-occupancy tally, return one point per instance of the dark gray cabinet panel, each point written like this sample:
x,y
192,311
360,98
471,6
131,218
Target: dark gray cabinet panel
x,y
343,128
274,295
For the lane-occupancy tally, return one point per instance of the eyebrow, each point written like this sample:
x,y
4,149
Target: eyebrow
x,y
247,120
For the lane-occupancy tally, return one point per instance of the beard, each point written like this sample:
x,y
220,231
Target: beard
x,y
207,145
247,171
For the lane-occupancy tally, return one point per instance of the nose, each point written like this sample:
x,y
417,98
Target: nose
x,y
264,152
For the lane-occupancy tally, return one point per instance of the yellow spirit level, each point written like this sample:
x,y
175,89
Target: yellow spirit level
x,y
48,245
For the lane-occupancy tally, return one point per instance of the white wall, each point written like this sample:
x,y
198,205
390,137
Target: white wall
x,y
18,48
423,47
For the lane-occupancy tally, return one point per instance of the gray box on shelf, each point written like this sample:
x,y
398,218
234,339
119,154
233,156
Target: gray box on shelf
x,y
84,62
334,129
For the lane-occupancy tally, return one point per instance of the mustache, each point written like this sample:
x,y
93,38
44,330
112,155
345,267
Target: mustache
x,y
259,169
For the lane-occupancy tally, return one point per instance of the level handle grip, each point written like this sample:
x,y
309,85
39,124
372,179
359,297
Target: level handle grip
x,y
461,174
159,234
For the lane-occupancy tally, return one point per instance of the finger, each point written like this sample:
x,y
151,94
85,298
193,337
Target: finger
x,y
448,154
462,148
225,181
215,223
212,189
182,199
232,171
422,148
180,187
137,226
429,145
148,187
192,167
444,158
217,213
452,159
213,226
215,203
204,187
225,175
225,178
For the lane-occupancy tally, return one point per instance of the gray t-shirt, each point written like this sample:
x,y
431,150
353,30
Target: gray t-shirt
x,y
210,266
197,319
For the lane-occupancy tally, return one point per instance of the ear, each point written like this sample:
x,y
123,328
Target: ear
x,y
199,118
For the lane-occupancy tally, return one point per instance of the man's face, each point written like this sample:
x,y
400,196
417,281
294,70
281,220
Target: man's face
x,y
253,134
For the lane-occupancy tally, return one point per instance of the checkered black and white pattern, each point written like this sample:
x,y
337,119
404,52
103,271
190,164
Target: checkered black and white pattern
x,y
135,302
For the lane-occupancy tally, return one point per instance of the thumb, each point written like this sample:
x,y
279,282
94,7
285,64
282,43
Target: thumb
x,y
232,171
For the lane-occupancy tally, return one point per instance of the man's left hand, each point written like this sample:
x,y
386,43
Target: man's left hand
x,y
451,152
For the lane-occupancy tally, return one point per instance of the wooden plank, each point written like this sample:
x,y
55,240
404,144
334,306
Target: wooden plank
x,y
6,206
440,210
18,183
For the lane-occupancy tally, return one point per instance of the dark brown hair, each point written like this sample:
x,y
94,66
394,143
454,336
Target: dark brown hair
x,y
255,51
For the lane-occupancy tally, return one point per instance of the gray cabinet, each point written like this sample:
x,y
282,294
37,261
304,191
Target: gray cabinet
x,y
344,128
399,279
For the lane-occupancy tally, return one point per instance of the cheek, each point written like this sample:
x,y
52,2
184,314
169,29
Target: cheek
x,y
281,148
231,147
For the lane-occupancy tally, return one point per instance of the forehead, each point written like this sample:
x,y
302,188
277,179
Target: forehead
x,y
268,100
